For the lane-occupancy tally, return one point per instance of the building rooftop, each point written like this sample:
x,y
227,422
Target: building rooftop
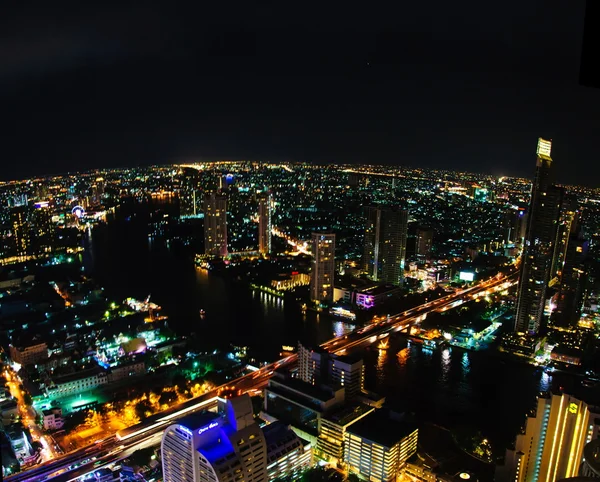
x,y
380,428
348,414
350,359
307,389
197,420
378,289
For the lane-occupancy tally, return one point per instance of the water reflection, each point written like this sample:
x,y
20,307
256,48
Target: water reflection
x,y
466,364
403,356
341,328
545,382
445,365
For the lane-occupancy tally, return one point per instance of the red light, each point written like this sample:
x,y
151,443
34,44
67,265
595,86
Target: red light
x,y
294,272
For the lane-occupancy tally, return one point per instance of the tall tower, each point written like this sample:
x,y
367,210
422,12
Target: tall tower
x,y
385,243
215,225
540,237
265,202
323,267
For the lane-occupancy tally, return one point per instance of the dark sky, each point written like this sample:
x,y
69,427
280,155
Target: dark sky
x,y
464,85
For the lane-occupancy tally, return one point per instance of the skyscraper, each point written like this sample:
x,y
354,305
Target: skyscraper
x,y
20,229
385,243
215,225
265,201
540,237
323,267
567,225
573,276
550,447
423,241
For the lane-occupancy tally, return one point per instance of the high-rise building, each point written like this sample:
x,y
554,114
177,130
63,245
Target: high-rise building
x,y
567,225
215,225
323,267
515,223
539,245
573,277
312,364
20,229
42,229
551,446
265,203
378,446
210,447
385,243
423,241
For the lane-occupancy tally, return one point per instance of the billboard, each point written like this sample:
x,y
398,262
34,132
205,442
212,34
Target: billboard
x,y
466,276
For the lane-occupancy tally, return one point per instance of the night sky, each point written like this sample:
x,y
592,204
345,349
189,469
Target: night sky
x,y
466,85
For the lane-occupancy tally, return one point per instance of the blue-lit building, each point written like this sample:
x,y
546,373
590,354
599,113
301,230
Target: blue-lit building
x,y
230,446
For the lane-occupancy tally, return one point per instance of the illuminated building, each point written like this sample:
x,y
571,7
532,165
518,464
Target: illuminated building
x,y
265,202
551,446
287,454
539,244
97,191
29,354
75,383
213,447
385,243
42,228
215,225
312,364
377,446
567,226
423,241
330,444
323,267
20,230
516,225
231,446
573,277
348,372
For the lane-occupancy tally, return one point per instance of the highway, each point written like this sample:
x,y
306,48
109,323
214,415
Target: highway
x,y
147,433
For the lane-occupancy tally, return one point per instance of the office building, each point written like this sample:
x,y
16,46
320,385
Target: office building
x,y
348,371
265,204
29,354
215,225
539,244
42,229
210,447
323,267
573,277
231,446
378,446
423,242
330,444
515,223
385,243
551,446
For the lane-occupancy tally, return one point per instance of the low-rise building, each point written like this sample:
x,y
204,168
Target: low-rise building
x,y
52,419
564,354
29,354
9,411
126,370
75,383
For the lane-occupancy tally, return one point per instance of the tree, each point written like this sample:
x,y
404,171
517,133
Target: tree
x,y
167,398
27,400
143,409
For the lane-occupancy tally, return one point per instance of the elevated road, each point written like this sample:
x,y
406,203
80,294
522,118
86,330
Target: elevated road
x,y
148,433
